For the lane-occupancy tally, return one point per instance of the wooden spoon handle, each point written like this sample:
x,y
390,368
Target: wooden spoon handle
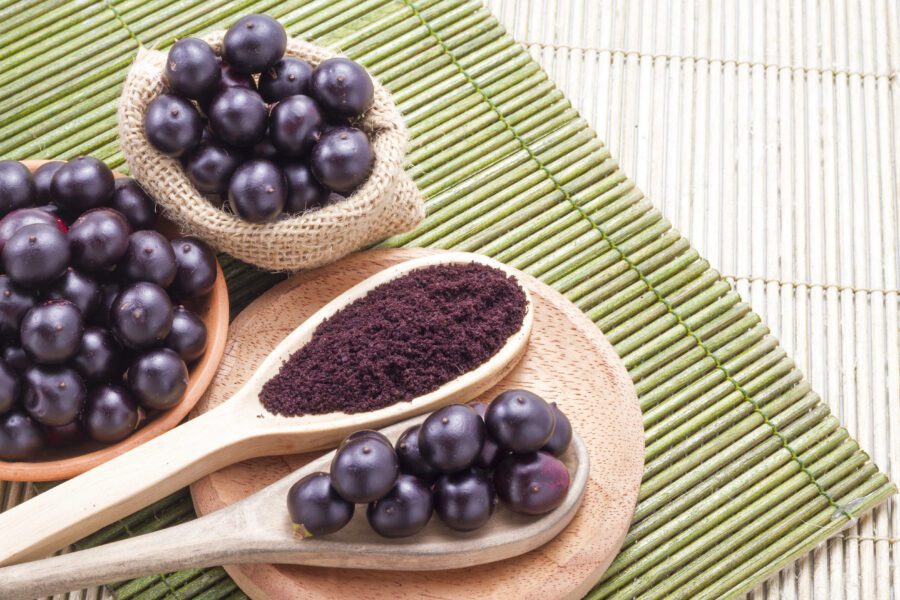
x,y
183,546
71,510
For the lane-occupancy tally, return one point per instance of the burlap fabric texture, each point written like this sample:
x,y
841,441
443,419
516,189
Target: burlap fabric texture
x,y
387,204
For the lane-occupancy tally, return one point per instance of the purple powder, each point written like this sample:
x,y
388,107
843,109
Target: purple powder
x,y
403,339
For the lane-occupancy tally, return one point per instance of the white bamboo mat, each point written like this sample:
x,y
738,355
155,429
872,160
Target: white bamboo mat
x,y
768,132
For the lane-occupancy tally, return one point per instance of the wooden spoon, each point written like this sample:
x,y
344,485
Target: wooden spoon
x,y
236,430
258,529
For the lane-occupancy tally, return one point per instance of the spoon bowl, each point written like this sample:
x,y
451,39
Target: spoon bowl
x,y
258,529
238,429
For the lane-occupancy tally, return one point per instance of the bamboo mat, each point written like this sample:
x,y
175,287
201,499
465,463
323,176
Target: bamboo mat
x,y
765,135
778,118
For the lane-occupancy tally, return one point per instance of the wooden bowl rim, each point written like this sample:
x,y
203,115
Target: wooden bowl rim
x,y
201,375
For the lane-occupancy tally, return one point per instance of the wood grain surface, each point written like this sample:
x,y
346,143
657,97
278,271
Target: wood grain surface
x,y
568,361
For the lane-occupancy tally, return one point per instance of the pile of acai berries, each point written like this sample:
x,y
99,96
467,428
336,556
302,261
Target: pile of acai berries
x,y
93,337
456,463
269,133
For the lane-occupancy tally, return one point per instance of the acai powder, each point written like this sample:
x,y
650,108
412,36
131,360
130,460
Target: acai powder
x,y
403,339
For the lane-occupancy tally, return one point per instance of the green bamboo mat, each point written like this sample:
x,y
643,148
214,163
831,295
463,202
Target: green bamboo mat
x,y
745,467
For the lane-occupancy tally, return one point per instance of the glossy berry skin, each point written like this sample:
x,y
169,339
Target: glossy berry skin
x,y
149,257
54,394
78,288
51,332
82,184
141,315
464,501
315,506
15,301
303,190
43,175
288,77
20,437
533,483
36,255
110,414
158,378
17,189
404,511
10,387
342,87
99,358
451,438
364,470
99,239
254,43
196,267
409,457
172,125
562,433
17,358
238,117
342,159
369,434
192,68
188,334
295,125
520,421
21,217
136,205
257,191
64,435
211,165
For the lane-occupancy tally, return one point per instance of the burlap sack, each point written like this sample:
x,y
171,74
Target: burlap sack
x,y
387,204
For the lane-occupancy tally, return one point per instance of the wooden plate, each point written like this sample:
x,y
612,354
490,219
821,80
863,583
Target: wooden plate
x,y
55,465
568,361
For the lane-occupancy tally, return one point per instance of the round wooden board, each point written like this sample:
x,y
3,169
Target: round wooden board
x,y
568,361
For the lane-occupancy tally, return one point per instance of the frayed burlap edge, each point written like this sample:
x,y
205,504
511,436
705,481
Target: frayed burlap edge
x,y
387,204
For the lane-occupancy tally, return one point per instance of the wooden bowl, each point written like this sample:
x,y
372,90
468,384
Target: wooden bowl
x,y
56,464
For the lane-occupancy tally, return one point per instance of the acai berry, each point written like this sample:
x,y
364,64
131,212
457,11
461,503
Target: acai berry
x,y
254,43
315,506
520,421
410,458
192,68
135,204
533,483
158,379
257,191
562,433
288,77
364,470
141,315
404,511
172,124
464,500
17,189
342,159
342,87
451,438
